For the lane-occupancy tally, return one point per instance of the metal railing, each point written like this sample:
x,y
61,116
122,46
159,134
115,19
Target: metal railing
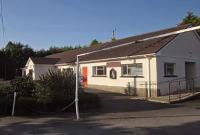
x,y
173,90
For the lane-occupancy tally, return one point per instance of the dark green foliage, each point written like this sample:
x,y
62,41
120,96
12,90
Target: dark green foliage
x,y
94,42
191,19
6,94
15,55
25,86
30,105
51,93
56,86
113,39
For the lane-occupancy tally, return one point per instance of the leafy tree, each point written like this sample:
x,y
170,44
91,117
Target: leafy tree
x,y
113,39
15,55
94,42
25,86
191,19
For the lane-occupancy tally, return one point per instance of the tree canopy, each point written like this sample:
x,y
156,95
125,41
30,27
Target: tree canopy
x,y
15,55
191,19
94,42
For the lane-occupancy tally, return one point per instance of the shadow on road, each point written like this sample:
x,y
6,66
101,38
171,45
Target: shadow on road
x,y
115,103
69,127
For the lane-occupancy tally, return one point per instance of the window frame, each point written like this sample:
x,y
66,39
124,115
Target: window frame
x,y
166,68
95,71
135,70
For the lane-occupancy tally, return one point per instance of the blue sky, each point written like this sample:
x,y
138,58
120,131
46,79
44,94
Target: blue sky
x,y
45,23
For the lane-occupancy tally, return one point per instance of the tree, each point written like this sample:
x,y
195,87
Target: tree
x,y
94,42
191,19
113,39
15,55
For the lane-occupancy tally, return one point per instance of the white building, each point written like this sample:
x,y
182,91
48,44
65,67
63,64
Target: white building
x,y
144,66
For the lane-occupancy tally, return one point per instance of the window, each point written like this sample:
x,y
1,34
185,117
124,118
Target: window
x,y
132,69
169,69
99,71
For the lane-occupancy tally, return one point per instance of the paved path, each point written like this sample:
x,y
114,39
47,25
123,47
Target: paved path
x,y
118,115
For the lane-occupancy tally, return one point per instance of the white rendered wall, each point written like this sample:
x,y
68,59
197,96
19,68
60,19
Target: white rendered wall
x,y
123,81
184,48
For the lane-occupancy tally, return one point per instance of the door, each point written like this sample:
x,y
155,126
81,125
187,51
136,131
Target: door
x,y
190,72
84,76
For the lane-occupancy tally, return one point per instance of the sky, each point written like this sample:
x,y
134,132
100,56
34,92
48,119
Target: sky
x,y
45,23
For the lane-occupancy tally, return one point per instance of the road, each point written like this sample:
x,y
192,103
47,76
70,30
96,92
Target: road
x,y
118,115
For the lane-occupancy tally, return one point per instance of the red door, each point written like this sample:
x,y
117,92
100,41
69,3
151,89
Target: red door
x,y
84,75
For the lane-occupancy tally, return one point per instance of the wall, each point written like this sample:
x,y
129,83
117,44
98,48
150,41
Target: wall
x,y
41,69
61,67
119,84
38,69
184,48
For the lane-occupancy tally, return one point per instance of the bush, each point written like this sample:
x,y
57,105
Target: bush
x,y
56,86
4,89
5,104
25,86
30,105
51,93
6,96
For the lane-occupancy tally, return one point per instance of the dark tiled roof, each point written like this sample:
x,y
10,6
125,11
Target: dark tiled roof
x,y
43,60
138,48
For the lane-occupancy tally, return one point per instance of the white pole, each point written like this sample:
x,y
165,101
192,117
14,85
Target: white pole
x,y
14,100
104,49
77,87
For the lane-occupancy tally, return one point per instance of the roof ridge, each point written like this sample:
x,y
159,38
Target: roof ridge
x,y
106,44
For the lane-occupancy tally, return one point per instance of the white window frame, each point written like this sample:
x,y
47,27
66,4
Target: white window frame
x,y
96,68
137,69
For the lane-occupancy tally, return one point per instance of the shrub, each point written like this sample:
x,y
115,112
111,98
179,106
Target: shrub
x,y
30,105
51,93
56,86
5,104
5,88
25,86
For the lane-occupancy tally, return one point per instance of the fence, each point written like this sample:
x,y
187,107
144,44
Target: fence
x,y
176,89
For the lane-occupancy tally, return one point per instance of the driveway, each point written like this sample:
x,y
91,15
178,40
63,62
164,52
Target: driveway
x,y
118,115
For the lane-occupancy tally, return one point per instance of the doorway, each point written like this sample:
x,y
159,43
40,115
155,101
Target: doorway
x,y
84,76
190,73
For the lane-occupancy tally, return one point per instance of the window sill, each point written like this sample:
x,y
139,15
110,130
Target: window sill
x,y
170,76
132,76
99,76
